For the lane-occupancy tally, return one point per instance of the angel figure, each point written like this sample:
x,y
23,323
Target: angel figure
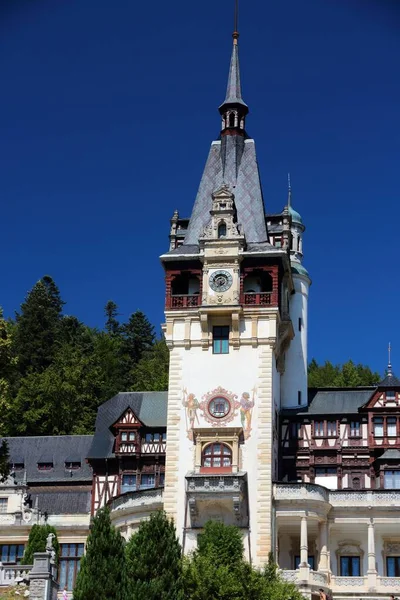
x,y
191,404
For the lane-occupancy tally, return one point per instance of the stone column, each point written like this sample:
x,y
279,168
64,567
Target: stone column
x,y
42,578
303,542
323,547
371,573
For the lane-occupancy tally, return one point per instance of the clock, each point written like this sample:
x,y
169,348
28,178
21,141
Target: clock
x,y
220,281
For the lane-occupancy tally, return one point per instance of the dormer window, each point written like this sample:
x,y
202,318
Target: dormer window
x,y
128,436
45,466
72,465
18,466
222,230
390,395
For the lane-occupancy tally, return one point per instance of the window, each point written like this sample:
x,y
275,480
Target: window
x,y
350,566
378,427
164,436
72,466
148,481
128,436
221,340
356,483
299,397
217,456
222,230
3,505
390,395
331,428
311,562
12,553
162,478
17,466
295,430
391,426
149,437
45,466
318,428
156,437
391,480
300,323
278,242
70,556
393,566
325,471
128,483
219,407
354,429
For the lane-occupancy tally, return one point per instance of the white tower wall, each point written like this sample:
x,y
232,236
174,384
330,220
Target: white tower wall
x,y
294,379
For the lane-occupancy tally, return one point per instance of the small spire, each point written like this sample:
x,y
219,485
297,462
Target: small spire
x,y
289,199
389,369
234,88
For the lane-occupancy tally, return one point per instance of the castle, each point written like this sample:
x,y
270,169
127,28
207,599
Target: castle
x,y
311,475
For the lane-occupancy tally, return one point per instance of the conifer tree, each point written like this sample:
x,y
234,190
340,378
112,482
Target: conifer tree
x,y
154,561
102,574
151,372
37,542
138,336
37,326
112,323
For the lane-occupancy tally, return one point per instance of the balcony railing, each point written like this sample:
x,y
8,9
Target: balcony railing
x,y
257,298
185,301
14,574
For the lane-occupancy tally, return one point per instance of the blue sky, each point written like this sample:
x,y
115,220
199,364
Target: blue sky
x,y
107,113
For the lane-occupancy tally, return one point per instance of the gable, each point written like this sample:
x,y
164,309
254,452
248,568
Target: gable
x,y
128,418
384,398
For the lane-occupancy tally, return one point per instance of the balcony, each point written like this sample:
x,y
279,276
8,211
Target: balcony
x,y
185,301
257,299
13,574
314,578
150,499
228,490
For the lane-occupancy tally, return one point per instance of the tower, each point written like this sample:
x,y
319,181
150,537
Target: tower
x,y
294,378
228,327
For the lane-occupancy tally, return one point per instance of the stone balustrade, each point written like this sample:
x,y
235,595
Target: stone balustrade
x,y
301,491
137,499
337,498
13,574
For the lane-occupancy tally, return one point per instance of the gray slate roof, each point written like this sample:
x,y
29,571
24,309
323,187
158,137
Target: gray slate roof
x,y
61,500
390,454
390,381
234,88
149,407
334,401
55,449
231,161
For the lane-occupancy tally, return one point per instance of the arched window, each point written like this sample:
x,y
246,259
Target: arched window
x,y
217,456
232,119
222,230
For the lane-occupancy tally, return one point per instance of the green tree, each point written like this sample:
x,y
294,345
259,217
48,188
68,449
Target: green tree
x,y
103,567
150,374
38,326
111,312
154,561
137,337
8,368
4,461
37,542
347,375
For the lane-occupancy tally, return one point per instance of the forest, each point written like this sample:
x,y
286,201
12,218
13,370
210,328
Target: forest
x,y
55,370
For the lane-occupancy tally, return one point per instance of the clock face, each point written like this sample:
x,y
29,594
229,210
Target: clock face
x,y
220,281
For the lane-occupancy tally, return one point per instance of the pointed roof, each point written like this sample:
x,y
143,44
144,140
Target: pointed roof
x,y
390,381
234,88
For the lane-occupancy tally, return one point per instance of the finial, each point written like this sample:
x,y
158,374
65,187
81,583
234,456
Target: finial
x,y
235,34
289,201
389,369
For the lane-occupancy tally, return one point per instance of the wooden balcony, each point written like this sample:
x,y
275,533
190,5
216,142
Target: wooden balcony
x,y
257,299
185,301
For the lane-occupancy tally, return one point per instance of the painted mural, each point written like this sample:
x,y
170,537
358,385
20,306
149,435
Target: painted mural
x,y
219,407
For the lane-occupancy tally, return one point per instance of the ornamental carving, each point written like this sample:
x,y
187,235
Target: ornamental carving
x,y
392,548
219,407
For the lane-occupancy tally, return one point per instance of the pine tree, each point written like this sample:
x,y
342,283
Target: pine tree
x,y
154,561
112,323
102,575
151,372
37,542
138,336
8,369
37,326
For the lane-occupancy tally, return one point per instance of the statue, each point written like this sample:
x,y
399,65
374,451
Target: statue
x,y
50,547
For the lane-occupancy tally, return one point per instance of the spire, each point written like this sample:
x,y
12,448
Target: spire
x,y
289,199
389,368
234,109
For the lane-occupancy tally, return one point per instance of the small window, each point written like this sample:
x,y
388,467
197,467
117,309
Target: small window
x,y
393,566
17,466
156,437
392,480
299,397
148,481
45,466
331,428
390,395
300,323
216,456
278,242
164,436
378,427
124,436
350,566
222,230
72,466
149,437
318,428
3,505
354,429
128,483
12,553
221,340
162,478
128,436
391,426
294,430
131,436
325,471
